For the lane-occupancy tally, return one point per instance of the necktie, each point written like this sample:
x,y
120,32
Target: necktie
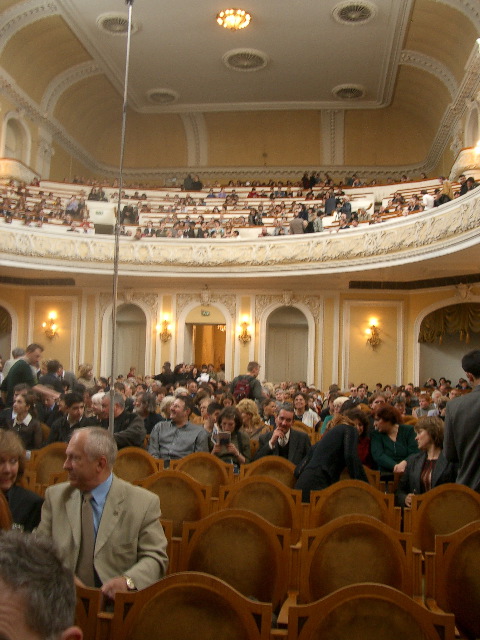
x,y
87,545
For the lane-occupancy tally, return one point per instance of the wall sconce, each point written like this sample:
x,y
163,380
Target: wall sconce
x,y
164,330
50,327
245,336
373,334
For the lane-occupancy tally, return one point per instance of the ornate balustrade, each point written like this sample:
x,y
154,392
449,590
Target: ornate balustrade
x,y
428,234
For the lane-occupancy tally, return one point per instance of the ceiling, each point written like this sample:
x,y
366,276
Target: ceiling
x,y
178,46
414,62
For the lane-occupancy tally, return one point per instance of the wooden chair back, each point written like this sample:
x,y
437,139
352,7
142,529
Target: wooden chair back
x,y
456,577
241,548
366,611
189,606
133,464
440,511
5,514
181,497
275,467
353,549
352,497
43,466
268,498
206,469
89,602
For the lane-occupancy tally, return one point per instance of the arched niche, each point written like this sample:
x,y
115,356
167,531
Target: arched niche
x,y
288,348
16,139
441,353
132,349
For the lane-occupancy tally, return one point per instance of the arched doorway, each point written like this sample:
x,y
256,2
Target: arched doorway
x,y
205,336
286,353
445,335
131,339
5,334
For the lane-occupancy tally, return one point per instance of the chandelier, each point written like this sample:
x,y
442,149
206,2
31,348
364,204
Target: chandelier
x,y
233,19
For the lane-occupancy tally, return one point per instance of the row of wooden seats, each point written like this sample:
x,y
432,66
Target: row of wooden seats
x,y
251,556
207,484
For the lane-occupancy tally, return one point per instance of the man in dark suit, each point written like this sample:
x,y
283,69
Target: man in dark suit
x,y
283,440
462,426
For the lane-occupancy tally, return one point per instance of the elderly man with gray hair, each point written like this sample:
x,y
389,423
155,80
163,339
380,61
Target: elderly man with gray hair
x,y
37,593
107,531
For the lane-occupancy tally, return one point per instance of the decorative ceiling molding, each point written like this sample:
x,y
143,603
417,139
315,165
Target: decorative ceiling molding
x,y
431,65
64,81
21,15
469,8
469,87
197,139
389,76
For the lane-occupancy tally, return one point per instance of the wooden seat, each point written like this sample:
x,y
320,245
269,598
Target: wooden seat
x,y
366,611
181,497
43,466
440,511
268,498
189,606
453,577
5,514
207,469
133,464
275,467
352,549
349,497
241,548
89,603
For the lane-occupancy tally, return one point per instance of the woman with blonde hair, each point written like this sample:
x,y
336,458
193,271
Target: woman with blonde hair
x,y
252,424
85,376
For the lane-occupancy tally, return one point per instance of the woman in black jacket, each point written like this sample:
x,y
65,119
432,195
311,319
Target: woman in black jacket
x,y
429,468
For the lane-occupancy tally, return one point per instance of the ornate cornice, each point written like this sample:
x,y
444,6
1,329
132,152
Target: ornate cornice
x,y
288,299
431,65
64,81
469,8
425,235
21,15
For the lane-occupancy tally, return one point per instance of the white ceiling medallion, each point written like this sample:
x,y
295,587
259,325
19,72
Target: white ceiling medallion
x,y
353,13
349,91
115,24
162,96
245,59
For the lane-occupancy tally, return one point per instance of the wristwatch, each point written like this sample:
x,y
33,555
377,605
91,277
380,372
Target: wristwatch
x,y
130,584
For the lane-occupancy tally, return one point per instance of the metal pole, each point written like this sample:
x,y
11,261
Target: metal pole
x,y
113,361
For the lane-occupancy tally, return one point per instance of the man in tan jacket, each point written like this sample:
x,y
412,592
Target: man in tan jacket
x,y
128,546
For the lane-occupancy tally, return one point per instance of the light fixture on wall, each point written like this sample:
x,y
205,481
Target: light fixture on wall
x,y
245,336
373,334
50,327
164,329
233,19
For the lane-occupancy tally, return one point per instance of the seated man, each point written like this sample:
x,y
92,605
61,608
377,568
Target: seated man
x,y
129,429
106,530
64,426
178,437
283,440
37,594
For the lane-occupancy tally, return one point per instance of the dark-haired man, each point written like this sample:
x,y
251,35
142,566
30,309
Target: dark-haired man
x,y
283,440
178,437
62,428
462,426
